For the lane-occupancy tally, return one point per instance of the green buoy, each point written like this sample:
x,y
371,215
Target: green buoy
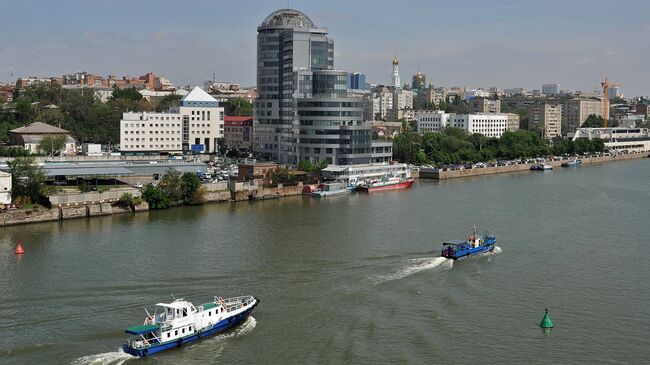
x,y
546,321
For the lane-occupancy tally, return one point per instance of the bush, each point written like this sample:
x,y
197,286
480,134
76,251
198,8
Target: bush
x,y
128,200
190,185
155,197
200,196
84,187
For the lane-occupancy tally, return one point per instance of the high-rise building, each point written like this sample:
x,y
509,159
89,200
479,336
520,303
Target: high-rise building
x,y
546,117
484,105
575,111
614,92
357,81
302,110
396,80
551,89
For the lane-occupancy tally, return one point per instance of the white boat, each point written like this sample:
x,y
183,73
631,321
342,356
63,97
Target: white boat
x,y
330,189
180,322
541,167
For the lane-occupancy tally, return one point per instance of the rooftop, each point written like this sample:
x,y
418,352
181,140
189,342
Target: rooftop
x,y
39,128
287,18
198,95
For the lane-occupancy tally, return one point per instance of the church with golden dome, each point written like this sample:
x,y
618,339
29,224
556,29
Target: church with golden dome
x,y
396,81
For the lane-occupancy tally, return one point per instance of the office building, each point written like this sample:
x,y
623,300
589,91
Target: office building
x,y
302,110
576,110
484,105
551,89
357,81
238,132
489,125
194,126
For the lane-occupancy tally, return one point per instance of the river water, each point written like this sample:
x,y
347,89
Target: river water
x,y
353,279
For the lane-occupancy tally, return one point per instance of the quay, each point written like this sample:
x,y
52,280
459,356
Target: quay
x,y
445,174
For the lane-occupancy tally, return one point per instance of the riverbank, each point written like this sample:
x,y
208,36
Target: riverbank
x,y
440,174
87,205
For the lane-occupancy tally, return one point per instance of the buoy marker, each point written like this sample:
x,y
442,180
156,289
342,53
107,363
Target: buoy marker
x,y
546,321
19,249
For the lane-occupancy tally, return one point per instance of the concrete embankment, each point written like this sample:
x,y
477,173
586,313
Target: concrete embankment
x,y
439,174
72,206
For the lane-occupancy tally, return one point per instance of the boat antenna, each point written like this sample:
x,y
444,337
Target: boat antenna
x,y
173,297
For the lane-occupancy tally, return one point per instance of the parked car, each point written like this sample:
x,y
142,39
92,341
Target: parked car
x,y
138,185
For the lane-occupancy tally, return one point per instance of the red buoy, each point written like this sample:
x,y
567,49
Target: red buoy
x,y
19,249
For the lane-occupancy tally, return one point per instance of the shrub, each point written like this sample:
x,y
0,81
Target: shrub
x,y
155,197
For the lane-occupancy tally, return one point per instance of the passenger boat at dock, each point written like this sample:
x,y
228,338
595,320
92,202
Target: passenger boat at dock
x,y
330,189
180,322
474,244
386,183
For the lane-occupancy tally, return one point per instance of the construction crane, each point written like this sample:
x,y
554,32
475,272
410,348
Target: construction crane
x,y
606,85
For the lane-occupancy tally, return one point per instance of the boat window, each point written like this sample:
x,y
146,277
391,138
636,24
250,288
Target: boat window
x,y
209,313
169,334
176,333
183,330
184,312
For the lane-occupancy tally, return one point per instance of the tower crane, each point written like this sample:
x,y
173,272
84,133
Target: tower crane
x,y
606,85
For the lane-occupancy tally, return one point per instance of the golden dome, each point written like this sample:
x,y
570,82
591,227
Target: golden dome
x,y
395,61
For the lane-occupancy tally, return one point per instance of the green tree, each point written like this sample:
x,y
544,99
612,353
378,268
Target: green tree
x,y
593,121
129,93
241,107
171,100
190,184
52,144
27,179
155,197
171,185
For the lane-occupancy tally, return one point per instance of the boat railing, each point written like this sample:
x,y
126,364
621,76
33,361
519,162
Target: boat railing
x,y
231,304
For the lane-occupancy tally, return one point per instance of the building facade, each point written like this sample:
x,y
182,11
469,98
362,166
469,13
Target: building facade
x,y
302,110
238,132
576,110
357,81
484,105
194,126
5,187
489,125
546,117
618,139
396,79
31,136
551,89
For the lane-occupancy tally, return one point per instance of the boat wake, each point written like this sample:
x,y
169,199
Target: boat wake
x,y
106,358
415,266
242,330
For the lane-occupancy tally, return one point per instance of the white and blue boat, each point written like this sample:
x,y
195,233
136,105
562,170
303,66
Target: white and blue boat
x,y
178,323
474,244
572,163
331,189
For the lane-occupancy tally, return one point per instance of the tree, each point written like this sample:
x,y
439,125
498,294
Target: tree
x,y
52,144
27,179
155,197
190,184
593,121
172,185
171,100
129,93
241,107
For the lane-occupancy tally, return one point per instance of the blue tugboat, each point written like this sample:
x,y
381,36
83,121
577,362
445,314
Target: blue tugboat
x,y
474,244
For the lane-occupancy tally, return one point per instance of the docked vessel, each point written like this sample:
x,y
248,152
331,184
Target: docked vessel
x,y
474,244
330,189
541,167
572,163
180,322
386,183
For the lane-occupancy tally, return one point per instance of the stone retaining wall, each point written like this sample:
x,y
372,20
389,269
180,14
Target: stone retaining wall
x,y
453,174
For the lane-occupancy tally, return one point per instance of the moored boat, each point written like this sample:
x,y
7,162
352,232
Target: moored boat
x,y
541,167
331,189
474,244
388,183
572,163
180,322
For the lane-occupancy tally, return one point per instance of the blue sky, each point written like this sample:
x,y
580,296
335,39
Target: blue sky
x,y
508,43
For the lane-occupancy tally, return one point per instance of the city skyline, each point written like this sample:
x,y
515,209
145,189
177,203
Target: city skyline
x,y
508,44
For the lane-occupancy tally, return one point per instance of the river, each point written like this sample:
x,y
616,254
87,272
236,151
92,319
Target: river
x,y
353,279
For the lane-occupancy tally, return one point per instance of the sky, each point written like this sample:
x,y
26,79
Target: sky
x,y
504,43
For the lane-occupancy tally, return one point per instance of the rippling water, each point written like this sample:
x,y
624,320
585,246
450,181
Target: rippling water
x,y
353,279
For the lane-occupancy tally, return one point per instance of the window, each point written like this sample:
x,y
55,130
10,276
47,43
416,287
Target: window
x,y
176,333
183,330
169,334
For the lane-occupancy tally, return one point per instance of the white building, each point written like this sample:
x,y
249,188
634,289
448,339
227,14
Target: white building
x,y
432,121
91,149
617,139
193,126
490,125
396,79
5,187
475,93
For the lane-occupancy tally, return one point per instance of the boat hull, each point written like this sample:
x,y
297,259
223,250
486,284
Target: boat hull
x,y
399,185
219,327
472,251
